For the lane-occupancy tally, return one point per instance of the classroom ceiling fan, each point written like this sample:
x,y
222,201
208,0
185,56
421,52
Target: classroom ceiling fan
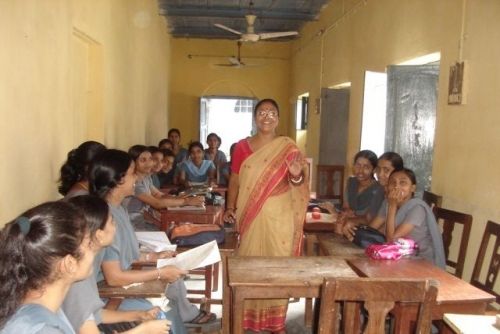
x,y
250,35
236,61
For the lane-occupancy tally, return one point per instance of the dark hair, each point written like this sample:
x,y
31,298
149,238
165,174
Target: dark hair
x,y
172,130
153,149
75,168
95,211
107,171
408,172
167,153
31,245
213,134
164,141
195,144
369,155
261,102
394,158
136,150
231,149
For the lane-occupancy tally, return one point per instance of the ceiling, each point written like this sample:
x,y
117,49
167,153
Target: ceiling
x,y
196,18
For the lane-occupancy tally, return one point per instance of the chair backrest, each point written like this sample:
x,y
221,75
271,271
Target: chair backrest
x,y
330,182
492,231
432,200
379,296
450,219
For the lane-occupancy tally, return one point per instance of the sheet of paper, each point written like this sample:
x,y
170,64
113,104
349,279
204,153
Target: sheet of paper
x,y
155,241
198,257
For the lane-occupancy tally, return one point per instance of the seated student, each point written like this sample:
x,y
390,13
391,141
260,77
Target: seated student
x,y
82,305
73,179
157,157
363,194
166,175
181,154
146,194
43,252
112,178
386,164
410,217
213,154
165,144
196,170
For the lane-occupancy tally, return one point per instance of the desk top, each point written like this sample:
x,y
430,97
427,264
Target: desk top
x,y
450,288
471,323
336,245
151,289
280,271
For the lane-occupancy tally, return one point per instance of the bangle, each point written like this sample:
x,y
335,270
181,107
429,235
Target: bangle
x,y
159,274
296,180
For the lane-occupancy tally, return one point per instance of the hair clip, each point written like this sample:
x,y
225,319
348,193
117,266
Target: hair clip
x,y
24,224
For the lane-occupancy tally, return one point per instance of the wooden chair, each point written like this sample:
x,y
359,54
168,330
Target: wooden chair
x,y
379,297
492,231
330,182
450,219
433,200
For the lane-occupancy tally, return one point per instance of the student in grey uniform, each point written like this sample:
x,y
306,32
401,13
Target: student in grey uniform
x,y
73,180
43,252
112,178
410,217
146,194
82,305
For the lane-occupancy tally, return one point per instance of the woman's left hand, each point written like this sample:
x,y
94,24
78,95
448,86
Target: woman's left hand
x,y
296,165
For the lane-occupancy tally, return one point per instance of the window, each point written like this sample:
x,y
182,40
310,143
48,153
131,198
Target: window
x,y
301,111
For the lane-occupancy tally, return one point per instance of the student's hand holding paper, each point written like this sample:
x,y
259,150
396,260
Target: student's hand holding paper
x,y
165,255
150,314
171,273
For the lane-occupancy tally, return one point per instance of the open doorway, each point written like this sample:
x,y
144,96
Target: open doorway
x,y
229,117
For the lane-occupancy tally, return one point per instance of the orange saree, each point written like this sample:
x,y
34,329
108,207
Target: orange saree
x,y
270,218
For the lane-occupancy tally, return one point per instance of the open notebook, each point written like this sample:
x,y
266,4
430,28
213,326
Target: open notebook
x,y
187,208
155,241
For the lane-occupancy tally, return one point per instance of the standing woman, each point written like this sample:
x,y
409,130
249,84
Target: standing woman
x,y
267,196
42,253
215,155
73,180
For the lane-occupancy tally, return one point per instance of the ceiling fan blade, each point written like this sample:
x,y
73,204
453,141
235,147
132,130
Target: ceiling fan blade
x,y
218,25
267,35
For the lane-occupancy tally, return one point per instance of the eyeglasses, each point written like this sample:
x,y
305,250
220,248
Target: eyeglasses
x,y
267,113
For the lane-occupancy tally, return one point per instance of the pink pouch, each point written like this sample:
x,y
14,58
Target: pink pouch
x,y
391,251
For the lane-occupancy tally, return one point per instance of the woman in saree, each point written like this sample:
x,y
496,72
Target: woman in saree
x,y
267,198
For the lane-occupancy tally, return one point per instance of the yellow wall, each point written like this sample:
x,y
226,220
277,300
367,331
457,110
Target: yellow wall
x,y
72,71
196,76
368,35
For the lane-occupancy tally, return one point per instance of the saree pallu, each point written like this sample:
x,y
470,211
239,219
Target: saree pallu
x,y
270,219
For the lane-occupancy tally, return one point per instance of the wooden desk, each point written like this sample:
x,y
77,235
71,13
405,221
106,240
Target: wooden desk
x,y
331,244
471,324
164,218
276,277
151,289
454,294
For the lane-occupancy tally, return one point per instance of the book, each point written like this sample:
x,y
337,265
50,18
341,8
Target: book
x,y
155,241
187,208
320,217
